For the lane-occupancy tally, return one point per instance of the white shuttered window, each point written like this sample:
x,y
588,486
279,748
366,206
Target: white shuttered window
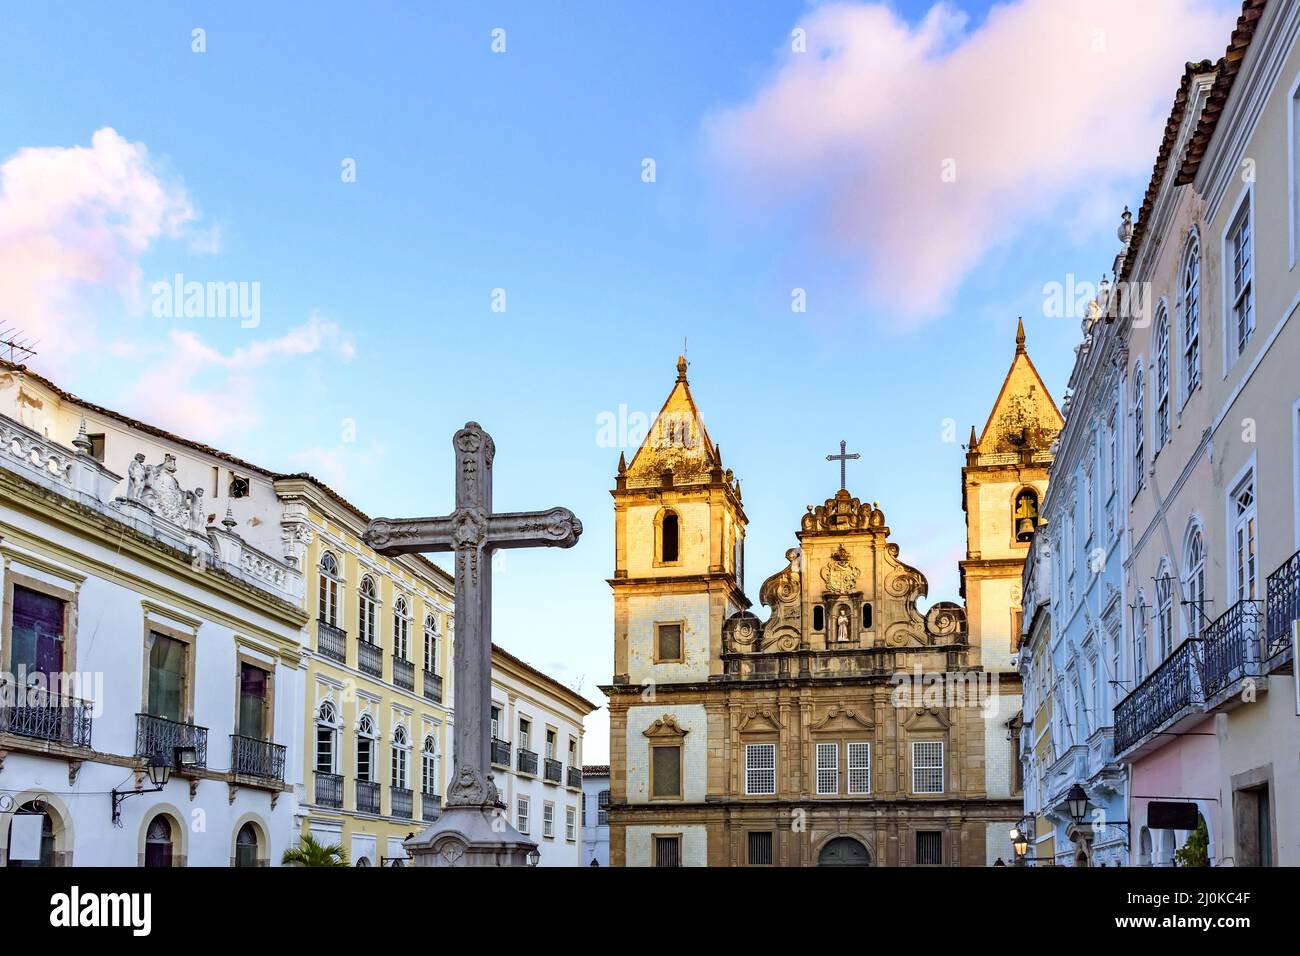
x,y
828,768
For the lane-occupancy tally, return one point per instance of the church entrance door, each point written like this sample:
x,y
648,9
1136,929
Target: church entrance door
x,y
844,851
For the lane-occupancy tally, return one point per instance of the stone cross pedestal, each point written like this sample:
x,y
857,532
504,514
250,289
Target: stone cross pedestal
x,y
474,829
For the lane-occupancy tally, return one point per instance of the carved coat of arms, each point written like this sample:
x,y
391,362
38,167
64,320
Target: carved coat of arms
x,y
839,574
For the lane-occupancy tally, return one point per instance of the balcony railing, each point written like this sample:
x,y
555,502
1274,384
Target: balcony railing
x,y
553,770
158,735
332,641
367,796
260,759
575,778
430,807
370,658
1230,647
1160,698
401,802
527,762
403,673
433,687
329,789
501,752
1283,607
41,715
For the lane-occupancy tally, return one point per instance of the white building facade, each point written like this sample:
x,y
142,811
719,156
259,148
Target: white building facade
x,y
135,634
537,756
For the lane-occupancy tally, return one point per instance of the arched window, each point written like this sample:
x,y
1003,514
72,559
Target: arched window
x,y
326,738
1164,611
328,610
1139,429
819,618
1162,378
429,767
246,846
1194,561
46,851
1025,517
866,616
430,644
400,748
401,629
1191,296
365,748
158,842
366,610
669,537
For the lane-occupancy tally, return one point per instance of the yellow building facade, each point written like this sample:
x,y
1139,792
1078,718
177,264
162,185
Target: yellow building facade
x,y
377,720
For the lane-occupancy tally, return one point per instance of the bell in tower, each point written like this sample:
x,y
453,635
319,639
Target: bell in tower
x,y
1026,515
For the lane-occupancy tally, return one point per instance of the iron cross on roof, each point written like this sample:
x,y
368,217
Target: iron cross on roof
x,y
843,457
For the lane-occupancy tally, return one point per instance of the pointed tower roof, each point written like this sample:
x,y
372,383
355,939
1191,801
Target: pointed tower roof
x,y
677,441
1024,417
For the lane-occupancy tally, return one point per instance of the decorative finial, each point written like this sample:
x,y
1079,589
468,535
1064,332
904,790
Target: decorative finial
x,y
1125,230
974,439
229,520
1020,335
681,368
717,450
622,463
82,442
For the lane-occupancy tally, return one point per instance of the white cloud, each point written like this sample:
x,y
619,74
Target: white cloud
x,y
74,223
1044,102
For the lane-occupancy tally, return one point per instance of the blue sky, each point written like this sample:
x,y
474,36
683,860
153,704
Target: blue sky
x,y
523,171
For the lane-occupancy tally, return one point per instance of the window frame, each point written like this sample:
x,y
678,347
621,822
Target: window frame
x,y
917,766
681,642
1190,293
666,744
830,785
1243,213
329,585
755,748
368,611
1163,419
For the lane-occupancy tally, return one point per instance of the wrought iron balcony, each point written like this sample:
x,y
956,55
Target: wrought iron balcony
x,y
553,770
370,658
258,759
400,802
575,778
158,735
41,715
403,673
1158,700
329,789
501,752
433,687
1283,606
332,641
527,762
367,796
430,806
1230,648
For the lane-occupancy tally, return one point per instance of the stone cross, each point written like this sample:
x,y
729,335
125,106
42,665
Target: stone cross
x,y
473,531
842,458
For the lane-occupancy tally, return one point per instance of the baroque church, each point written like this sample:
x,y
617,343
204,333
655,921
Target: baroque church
x,y
842,726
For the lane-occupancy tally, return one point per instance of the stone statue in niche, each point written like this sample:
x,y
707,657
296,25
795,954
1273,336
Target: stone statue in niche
x,y
842,625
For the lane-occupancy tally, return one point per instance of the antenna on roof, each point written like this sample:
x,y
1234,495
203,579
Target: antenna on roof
x,y
15,347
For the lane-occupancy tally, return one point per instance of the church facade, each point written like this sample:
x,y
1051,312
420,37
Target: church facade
x,y
843,727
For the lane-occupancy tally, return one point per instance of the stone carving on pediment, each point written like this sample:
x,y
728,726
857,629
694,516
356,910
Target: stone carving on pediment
x,y
781,594
842,718
927,718
945,622
156,488
758,720
842,513
839,575
665,726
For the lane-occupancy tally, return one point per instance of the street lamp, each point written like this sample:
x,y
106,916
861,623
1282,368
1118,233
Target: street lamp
x,y
534,857
159,769
1076,801
1020,844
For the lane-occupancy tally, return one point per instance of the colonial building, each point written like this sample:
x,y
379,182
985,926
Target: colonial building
x,y
378,650
595,815
1213,419
150,659
845,728
537,756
